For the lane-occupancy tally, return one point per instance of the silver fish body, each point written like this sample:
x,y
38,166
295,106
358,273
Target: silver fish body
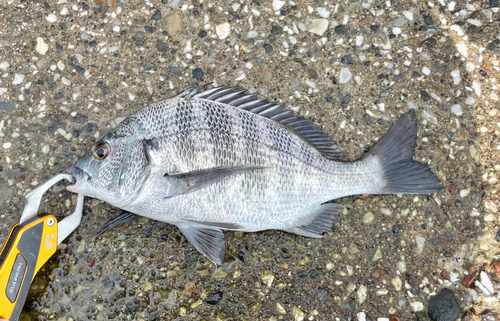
x,y
206,165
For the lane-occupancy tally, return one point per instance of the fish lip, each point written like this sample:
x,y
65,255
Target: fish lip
x,y
80,176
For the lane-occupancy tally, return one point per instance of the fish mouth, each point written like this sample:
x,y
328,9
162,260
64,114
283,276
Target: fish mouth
x,y
80,176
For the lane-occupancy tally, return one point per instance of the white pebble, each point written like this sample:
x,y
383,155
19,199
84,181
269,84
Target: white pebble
x,y
60,65
426,71
494,96
4,65
474,22
64,11
359,40
66,81
462,49
396,30
41,46
417,306
317,26
408,15
455,74
278,4
7,145
454,277
18,79
420,243
223,30
45,149
368,218
345,75
477,87
362,293
361,316
457,110
401,266
51,18
252,34
470,101
464,192
3,91
485,280
324,13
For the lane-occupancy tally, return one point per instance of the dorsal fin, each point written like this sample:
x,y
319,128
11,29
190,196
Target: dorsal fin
x,y
302,127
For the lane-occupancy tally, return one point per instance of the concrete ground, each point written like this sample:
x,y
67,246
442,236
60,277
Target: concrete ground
x,y
70,70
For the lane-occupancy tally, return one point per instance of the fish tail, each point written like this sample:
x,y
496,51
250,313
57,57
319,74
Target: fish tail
x,y
401,174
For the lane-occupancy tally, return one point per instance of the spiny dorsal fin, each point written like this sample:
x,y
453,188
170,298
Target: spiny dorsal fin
x,y
302,127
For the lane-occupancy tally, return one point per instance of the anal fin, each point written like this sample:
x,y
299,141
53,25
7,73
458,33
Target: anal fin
x,y
320,222
208,241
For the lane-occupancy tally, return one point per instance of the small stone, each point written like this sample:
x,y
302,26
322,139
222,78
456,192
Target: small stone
x,y
156,16
267,278
223,30
340,30
149,29
426,71
462,49
198,74
277,5
420,243
317,26
485,280
476,200
276,30
268,48
214,299
400,22
374,28
417,306
264,75
6,106
41,46
323,12
345,76
219,273
468,280
161,46
397,283
298,314
424,95
493,49
444,306
172,24
378,254
457,110
362,293
367,20
18,79
51,18
428,20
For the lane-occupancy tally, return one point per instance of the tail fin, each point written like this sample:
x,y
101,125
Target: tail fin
x,y
394,152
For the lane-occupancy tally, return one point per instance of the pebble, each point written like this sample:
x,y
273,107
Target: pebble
x,y
378,254
4,65
223,30
317,26
368,218
51,18
214,299
2,90
361,316
172,24
362,293
298,314
6,107
477,88
323,13
41,46
420,243
345,75
198,74
424,95
359,40
426,71
264,75
18,79
462,49
417,306
444,306
457,110
277,5
397,283
400,22
484,283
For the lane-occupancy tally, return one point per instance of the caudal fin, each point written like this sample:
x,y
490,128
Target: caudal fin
x,y
394,153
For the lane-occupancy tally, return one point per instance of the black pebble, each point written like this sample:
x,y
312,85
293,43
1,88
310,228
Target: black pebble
x,y
346,99
268,48
88,129
164,237
241,256
444,306
147,234
214,299
164,1
368,119
374,28
174,70
80,119
347,60
425,95
202,34
79,69
314,274
106,90
340,30
156,16
329,99
277,30
161,46
59,48
117,66
198,74
58,96
395,229
497,237
483,73
428,20
440,69
150,29
424,226
493,3
492,49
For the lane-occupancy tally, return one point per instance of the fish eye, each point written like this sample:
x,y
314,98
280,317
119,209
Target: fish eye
x,y
101,151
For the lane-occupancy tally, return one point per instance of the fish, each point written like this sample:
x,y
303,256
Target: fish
x,y
209,160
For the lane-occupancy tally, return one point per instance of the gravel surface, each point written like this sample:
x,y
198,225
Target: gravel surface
x,y
70,70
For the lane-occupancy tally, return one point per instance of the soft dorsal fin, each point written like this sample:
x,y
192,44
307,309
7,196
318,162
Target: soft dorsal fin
x,y
302,127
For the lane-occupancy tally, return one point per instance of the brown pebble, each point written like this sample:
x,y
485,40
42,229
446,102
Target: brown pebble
x,y
476,15
264,75
378,273
90,262
452,188
189,288
367,20
415,42
496,266
468,280
395,318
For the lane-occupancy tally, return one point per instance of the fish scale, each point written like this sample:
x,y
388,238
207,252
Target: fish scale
x,y
240,163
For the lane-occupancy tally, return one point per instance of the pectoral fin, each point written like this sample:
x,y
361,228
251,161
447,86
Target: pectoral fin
x,y
208,241
192,181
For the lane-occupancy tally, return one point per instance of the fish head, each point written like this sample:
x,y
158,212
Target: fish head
x,y
113,170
